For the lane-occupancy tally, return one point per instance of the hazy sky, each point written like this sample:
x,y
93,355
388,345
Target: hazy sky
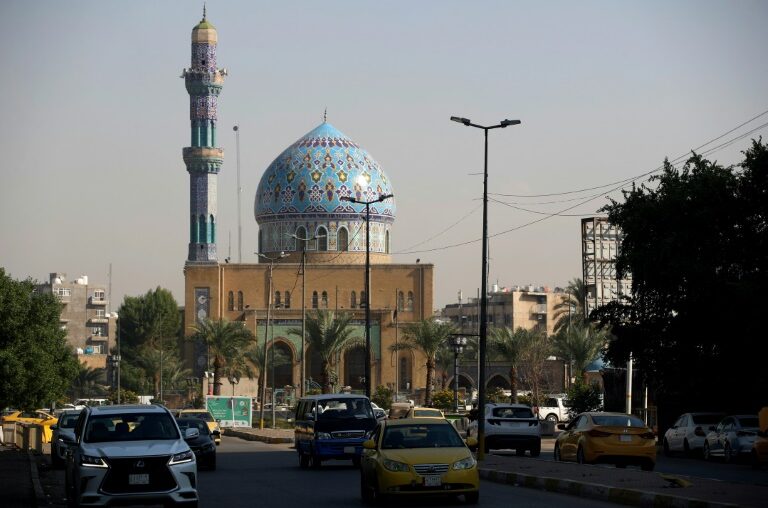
x,y
95,117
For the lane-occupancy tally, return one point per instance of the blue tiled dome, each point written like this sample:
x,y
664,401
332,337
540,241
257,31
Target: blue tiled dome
x,y
307,180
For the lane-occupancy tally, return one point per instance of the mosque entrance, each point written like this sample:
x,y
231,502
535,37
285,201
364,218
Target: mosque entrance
x,y
354,368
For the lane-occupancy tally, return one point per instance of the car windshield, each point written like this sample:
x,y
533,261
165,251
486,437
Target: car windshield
x,y
130,427
618,421
421,436
330,409
193,423
512,412
427,412
203,415
68,421
749,422
712,419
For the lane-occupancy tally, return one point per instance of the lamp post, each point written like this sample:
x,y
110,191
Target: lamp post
x,y
234,378
266,333
367,204
457,343
304,306
483,283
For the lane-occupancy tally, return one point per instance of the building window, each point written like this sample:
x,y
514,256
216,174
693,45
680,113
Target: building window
x,y
409,302
400,301
314,299
239,300
101,313
287,299
98,295
278,303
98,331
96,350
353,300
212,231
343,239
301,238
62,291
231,301
322,239
324,300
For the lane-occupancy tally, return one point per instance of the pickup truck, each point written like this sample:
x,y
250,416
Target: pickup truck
x,y
553,409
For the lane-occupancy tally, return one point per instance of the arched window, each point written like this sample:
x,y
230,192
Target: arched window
x,y
287,299
201,234
324,300
322,239
239,300
409,302
314,299
363,301
231,301
400,301
386,242
278,303
353,300
342,240
212,230
301,235
405,374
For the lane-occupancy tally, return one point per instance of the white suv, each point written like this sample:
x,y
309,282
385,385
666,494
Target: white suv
x,y
553,409
132,454
510,426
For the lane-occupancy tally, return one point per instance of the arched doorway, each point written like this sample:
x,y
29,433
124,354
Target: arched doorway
x,y
354,368
498,381
283,367
405,371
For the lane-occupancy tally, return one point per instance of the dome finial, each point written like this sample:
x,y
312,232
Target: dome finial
x,y
203,11
325,115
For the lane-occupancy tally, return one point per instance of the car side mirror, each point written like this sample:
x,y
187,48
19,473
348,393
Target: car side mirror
x,y
370,444
191,434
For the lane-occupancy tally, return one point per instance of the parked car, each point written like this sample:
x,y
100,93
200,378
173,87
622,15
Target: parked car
x,y
418,457
553,409
203,445
511,426
130,454
688,432
612,438
65,425
759,453
38,417
732,437
207,417
399,409
424,412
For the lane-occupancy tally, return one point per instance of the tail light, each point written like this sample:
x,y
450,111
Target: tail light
x,y
648,435
598,433
699,432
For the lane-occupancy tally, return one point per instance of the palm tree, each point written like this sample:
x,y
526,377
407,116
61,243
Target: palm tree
x,y
226,341
580,345
88,382
328,333
571,310
255,355
510,346
444,363
429,337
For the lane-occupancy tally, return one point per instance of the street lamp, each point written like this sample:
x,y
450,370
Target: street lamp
x,y
367,204
266,333
303,304
234,378
483,283
457,343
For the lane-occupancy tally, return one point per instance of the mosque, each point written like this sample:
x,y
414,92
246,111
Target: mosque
x,y
312,245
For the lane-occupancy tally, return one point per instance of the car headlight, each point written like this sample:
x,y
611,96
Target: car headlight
x,y
181,458
323,435
91,461
467,463
393,465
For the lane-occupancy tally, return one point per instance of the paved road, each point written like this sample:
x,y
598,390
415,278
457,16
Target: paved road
x,y
257,474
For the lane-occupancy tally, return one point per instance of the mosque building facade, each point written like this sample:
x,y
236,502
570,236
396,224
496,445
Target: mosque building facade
x,y
312,245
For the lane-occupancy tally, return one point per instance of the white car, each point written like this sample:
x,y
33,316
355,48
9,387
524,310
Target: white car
x,y
512,426
553,409
65,426
132,454
687,434
733,436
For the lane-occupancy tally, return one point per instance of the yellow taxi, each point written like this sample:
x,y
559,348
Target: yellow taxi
x,y
418,456
207,417
38,417
424,412
759,452
612,438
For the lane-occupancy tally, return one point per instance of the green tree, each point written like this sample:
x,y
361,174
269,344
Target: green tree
x,y
696,245
429,337
509,346
571,311
36,364
538,348
328,333
227,341
89,383
582,397
579,345
443,400
382,397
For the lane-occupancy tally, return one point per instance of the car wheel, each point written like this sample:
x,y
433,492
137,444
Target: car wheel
x,y
552,417
536,450
303,460
707,452
580,455
665,446
472,497
727,453
558,457
648,465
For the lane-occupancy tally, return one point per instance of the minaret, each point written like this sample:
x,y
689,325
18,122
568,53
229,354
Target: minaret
x,y
203,159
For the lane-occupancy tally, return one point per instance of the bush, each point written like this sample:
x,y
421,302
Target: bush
x,y
383,397
496,394
126,396
582,397
443,400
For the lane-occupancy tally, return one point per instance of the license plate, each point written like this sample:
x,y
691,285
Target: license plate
x,y
625,439
138,479
349,449
432,481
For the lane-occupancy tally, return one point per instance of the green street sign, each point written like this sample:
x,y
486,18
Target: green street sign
x,y
232,411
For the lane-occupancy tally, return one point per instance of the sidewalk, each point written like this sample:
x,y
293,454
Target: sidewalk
x,y
623,486
17,472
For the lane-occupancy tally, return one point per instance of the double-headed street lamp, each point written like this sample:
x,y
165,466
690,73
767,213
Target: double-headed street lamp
x,y
266,334
458,342
483,283
367,204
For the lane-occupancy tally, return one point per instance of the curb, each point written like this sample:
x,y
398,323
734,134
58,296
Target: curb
x,y
40,498
596,491
256,437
